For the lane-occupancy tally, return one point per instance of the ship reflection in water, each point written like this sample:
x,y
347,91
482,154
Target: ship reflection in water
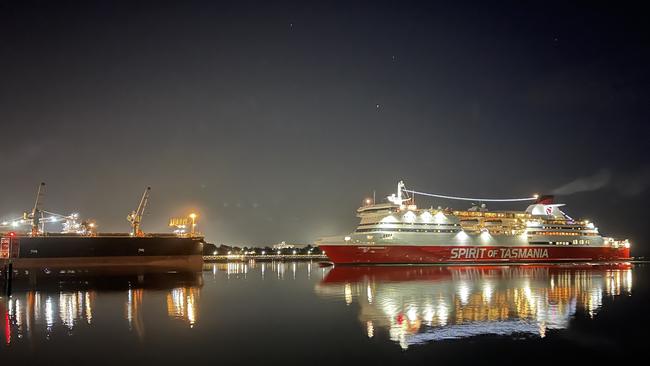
x,y
298,312
47,302
415,305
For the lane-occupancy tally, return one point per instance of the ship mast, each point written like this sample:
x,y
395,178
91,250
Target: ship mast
x,y
135,217
400,198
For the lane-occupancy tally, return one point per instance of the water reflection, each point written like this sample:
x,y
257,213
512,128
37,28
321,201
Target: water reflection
x,y
279,269
46,302
132,310
398,305
421,304
182,304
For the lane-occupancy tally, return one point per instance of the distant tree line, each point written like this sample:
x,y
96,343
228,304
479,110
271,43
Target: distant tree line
x,y
212,249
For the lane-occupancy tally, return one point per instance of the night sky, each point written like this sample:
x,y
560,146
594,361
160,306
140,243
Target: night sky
x,y
274,120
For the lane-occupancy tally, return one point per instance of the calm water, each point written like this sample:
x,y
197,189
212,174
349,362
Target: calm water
x,y
301,313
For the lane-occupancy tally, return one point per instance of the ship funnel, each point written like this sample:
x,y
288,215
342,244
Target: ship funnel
x,y
545,199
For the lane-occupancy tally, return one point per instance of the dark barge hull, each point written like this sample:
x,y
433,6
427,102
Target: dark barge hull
x,y
97,251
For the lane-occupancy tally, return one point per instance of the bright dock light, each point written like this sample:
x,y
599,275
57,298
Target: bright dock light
x,y
193,216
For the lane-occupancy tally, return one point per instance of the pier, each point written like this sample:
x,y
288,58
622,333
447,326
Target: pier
x,y
264,257
9,248
6,273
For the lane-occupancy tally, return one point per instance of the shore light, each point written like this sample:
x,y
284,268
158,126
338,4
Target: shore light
x,y
193,216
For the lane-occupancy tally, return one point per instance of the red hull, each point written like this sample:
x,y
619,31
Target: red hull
x,y
391,254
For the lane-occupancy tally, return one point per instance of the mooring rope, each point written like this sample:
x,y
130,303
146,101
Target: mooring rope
x,y
471,199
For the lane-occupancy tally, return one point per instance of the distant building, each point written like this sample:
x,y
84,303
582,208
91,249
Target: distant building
x,y
284,245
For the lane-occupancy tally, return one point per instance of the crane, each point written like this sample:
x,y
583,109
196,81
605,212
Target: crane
x,y
37,213
38,217
135,217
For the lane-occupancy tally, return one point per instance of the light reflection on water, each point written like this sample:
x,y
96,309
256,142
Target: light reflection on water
x,y
182,304
68,297
52,301
281,270
404,306
416,305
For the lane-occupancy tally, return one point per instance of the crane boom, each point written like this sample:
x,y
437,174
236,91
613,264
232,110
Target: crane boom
x,y
36,211
135,218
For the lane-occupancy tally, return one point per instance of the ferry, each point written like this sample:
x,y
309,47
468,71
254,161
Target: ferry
x,y
398,232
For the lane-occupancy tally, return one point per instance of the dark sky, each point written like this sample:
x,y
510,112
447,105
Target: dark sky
x,y
274,120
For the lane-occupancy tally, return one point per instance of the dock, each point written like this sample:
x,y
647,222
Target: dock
x,y
264,257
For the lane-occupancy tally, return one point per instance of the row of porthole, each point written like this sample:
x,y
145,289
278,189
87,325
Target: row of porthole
x,y
408,230
575,242
559,233
406,223
565,227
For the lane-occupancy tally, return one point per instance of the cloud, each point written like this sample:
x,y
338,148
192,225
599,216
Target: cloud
x,y
636,182
585,184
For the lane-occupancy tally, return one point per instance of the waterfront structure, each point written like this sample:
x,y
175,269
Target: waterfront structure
x,y
79,243
397,231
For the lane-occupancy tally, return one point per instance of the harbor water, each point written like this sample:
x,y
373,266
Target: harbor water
x,y
305,313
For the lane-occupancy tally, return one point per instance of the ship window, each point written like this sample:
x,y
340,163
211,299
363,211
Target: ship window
x,y
363,230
